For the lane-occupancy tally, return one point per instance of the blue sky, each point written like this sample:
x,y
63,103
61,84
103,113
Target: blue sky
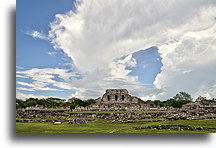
x,y
36,15
148,65
79,49
36,53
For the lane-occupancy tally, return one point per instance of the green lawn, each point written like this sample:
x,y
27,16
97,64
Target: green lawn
x,y
158,118
107,126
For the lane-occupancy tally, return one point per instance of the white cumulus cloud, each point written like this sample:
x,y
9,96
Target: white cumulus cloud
x,y
189,64
43,78
24,96
98,33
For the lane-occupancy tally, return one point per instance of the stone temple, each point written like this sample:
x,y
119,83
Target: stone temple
x,y
117,96
115,100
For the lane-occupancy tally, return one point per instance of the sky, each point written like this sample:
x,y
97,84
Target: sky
x,y
69,48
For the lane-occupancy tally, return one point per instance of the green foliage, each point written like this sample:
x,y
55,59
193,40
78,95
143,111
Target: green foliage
x,y
72,105
150,103
178,100
19,101
89,102
176,103
200,98
183,96
53,103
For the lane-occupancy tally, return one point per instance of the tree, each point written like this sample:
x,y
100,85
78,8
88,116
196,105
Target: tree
x,y
150,103
77,101
182,96
89,102
175,103
200,98
73,105
158,103
178,100
19,103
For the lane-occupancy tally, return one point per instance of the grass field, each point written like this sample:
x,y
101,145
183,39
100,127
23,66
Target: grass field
x,y
107,126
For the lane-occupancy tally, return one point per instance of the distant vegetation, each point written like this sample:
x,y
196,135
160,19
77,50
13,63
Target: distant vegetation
x,y
177,101
53,102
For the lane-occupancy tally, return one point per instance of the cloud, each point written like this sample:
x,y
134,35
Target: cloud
x,y
43,79
25,84
116,75
19,67
37,34
100,31
51,53
20,76
98,34
90,85
23,96
189,64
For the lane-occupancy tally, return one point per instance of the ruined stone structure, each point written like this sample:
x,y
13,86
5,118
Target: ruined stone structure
x,y
204,105
115,100
117,96
120,100
24,115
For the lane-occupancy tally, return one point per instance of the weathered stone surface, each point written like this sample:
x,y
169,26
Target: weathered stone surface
x,y
117,96
126,117
171,127
115,100
205,105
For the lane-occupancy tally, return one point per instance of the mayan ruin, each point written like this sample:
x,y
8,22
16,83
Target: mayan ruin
x,y
116,100
119,105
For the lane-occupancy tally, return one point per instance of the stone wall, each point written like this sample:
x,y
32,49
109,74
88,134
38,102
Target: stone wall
x,y
126,117
205,105
113,107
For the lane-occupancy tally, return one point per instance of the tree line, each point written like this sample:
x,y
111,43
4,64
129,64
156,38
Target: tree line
x,y
53,102
177,101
